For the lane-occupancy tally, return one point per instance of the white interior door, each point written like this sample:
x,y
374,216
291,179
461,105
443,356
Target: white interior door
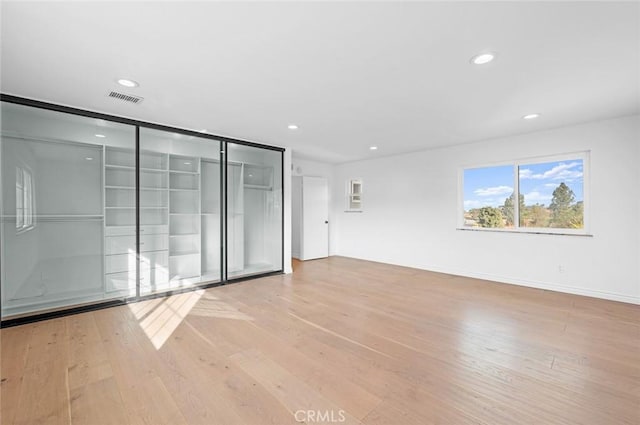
x,y
315,222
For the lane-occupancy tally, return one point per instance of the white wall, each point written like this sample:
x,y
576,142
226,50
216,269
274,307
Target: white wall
x,y
306,167
296,216
410,214
286,199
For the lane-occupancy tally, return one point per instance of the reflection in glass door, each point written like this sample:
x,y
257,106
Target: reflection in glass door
x,y
179,211
254,210
88,217
55,206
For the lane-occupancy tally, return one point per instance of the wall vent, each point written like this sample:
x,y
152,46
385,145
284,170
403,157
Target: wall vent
x,y
126,97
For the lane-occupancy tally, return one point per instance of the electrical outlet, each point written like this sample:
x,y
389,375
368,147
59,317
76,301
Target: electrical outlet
x,y
560,268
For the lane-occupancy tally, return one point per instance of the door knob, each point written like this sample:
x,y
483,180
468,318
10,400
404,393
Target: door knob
x,y
326,222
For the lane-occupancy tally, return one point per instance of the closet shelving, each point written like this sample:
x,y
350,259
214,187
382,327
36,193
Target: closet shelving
x,y
96,209
235,218
180,219
258,177
120,213
210,218
184,218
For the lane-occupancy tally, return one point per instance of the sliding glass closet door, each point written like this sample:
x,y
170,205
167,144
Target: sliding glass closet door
x,y
254,210
94,210
55,206
180,243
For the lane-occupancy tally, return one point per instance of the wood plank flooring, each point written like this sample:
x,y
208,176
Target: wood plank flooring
x,y
339,341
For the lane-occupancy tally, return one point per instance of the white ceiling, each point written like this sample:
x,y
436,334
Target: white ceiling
x,y
351,75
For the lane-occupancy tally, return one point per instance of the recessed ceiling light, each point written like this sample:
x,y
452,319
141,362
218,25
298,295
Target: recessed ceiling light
x,y
292,127
373,148
102,136
127,83
187,163
89,158
483,58
530,116
250,175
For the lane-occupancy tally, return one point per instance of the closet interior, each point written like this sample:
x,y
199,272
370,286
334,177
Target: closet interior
x,y
70,210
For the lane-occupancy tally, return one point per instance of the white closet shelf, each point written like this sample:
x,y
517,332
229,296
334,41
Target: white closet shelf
x,y
56,218
195,173
195,213
184,190
133,208
212,274
133,187
119,166
37,216
133,227
176,235
143,252
127,167
258,187
184,253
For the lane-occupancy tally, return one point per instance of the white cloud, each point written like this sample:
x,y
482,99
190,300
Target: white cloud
x,y
525,173
493,191
472,203
562,171
484,202
537,197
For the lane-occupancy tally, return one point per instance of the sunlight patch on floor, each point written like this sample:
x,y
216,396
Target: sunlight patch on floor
x,y
161,317
212,306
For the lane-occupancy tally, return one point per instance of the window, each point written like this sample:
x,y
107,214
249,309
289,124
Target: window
x,y
550,195
484,191
354,195
24,199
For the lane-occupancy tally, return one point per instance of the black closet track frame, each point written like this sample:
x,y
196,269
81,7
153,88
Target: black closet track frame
x,y
61,312
282,210
133,122
224,262
137,161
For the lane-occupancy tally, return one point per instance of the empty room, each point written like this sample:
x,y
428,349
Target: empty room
x,y
319,212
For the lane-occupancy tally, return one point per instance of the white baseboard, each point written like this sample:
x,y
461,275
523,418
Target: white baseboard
x,y
544,285
531,283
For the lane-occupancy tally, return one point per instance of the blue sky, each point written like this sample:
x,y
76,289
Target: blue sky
x,y
490,186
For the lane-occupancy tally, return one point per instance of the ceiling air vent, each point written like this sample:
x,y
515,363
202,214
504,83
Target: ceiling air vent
x,y
125,97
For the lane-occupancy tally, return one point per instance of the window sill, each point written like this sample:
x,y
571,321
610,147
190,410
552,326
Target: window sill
x,y
528,232
25,229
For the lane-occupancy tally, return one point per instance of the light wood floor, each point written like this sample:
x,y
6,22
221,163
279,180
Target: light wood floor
x,y
367,342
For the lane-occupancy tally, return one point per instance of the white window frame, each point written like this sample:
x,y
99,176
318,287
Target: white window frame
x,y
350,194
25,215
586,173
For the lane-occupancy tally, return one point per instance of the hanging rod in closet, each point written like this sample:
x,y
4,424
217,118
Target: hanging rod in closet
x,y
56,218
